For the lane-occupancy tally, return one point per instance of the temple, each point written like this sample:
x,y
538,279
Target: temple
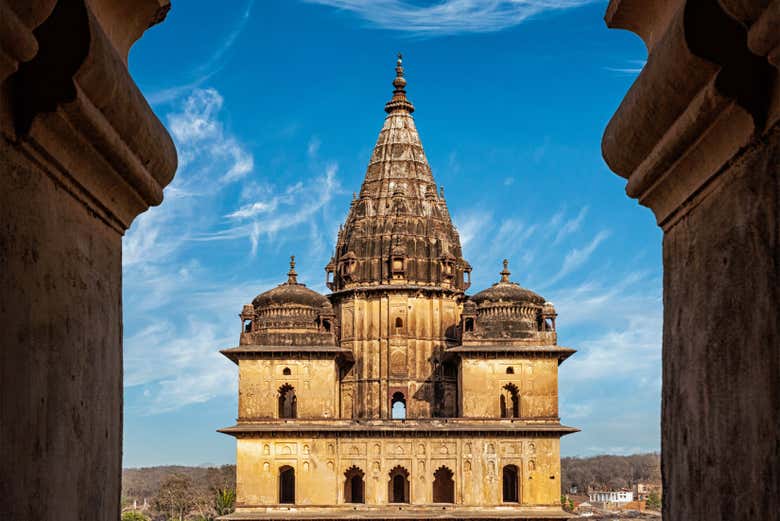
x,y
398,395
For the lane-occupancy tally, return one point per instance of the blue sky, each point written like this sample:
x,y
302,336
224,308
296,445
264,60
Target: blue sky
x,y
275,107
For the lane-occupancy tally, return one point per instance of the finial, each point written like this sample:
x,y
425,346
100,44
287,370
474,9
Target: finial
x,y
292,276
505,273
399,100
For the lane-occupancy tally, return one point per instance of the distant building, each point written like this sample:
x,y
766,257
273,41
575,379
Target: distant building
x,y
643,490
612,496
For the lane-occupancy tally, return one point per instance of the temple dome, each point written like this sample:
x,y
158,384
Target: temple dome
x,y
507,291
291,293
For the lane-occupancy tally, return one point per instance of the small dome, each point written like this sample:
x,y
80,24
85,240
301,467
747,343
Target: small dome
x,y
291,292
507,291
288,293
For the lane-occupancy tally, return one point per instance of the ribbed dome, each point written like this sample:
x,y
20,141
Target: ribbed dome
x,y
291,292
507,291
288,293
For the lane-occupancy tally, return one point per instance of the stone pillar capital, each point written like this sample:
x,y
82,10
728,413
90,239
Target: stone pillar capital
x,y
706,92
70,104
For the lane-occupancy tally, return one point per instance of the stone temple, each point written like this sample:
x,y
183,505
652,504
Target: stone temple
x,y
398,395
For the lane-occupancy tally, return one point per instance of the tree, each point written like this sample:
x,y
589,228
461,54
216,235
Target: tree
x,y
224,501
175,498
133,515
654,501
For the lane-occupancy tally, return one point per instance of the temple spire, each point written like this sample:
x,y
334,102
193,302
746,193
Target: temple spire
x,y
292,276
399,101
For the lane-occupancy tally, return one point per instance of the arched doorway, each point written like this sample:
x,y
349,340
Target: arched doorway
x,y
510,483
509,401
354,486
443,486
398,406
288,402
286,485
398,486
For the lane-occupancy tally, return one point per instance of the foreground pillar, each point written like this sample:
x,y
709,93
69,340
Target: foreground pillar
x,y
81,154
697,138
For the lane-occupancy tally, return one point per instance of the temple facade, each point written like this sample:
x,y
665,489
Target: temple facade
x,y
398,395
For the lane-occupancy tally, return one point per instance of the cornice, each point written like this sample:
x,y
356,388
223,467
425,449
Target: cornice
x,y
70,104
706,92
409,427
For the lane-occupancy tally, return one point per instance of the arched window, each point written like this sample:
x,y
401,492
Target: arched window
x,y
398,406
354,486
288,403
247,325
443,486
509,402
510,484
286,371
510,370
469,324
286,484
399,323
398,486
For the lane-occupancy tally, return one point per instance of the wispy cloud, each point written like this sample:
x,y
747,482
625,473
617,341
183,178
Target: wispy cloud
x,y
181,305
449,16
633,67
576,257
209,67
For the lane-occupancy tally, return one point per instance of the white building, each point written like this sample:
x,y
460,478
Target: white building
x,y
612,496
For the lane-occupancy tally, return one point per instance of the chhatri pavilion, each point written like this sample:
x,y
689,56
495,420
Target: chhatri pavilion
x,y
398,395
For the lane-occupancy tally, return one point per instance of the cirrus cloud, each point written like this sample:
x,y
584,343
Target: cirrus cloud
x,y
449,16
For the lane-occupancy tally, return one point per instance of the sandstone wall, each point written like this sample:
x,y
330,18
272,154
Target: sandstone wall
x,y
320,463
315,382
482,381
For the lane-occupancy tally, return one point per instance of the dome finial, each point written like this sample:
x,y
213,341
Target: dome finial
x,y
505,273
292,276
399,101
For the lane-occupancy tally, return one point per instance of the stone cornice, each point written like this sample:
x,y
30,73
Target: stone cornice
x,y
74,108
255,351
560,352
408,427
698,102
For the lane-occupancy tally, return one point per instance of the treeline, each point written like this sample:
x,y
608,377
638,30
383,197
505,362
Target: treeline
x,y
610,472
145,482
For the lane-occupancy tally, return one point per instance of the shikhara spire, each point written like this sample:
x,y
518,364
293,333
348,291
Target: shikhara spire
x,y
399,213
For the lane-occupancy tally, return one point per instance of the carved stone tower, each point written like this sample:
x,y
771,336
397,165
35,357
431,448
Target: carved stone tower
x,y
398,394
398,278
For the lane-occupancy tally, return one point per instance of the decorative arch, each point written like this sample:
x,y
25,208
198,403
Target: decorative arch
x,y
354,485
443,485
398,485
288,402
286,485
509,401
286,371
510,480
398,406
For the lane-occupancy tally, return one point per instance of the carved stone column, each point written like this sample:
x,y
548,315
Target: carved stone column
x,y
81,155
697,138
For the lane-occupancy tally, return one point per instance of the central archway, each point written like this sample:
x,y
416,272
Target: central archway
x,y
510,484
286,485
